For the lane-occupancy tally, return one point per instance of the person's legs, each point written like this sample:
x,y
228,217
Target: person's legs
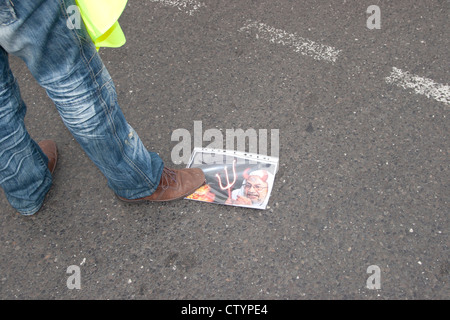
x,y
66,63
71,71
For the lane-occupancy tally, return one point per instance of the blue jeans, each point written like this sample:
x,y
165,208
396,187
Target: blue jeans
x,y
66,64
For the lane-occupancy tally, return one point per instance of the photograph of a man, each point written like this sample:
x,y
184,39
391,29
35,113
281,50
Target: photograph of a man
x,y
254,189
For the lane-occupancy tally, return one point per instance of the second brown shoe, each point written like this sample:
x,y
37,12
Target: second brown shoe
x,y
174,184
51,151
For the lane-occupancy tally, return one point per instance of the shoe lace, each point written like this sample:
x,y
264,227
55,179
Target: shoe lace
x,y
168,175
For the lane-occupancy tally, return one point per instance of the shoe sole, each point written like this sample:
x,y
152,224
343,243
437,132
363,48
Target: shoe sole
x,y
166,200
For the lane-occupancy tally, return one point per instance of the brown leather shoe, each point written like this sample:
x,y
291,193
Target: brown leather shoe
x,y
51,151
174,184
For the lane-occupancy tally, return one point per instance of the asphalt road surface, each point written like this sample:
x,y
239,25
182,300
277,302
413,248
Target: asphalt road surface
x,y
360,204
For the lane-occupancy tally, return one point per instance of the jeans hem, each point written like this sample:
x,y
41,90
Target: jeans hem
x,y
141,194
31,212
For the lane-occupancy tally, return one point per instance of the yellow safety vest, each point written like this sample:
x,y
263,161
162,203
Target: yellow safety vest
x,y
101,20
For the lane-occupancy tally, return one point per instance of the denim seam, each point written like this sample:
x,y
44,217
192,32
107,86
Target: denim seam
x,y
64,12
92,58
98,73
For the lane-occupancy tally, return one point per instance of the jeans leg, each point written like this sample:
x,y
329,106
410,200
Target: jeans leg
x,y
87,102
24,175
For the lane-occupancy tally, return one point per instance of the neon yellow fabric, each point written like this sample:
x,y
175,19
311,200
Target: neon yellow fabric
x,y
101,20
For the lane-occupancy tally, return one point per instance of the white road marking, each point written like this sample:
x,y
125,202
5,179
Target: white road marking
x,y
299,44
306,47
189,6
420,85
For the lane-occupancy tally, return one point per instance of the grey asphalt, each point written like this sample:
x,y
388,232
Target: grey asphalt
x,y
364,164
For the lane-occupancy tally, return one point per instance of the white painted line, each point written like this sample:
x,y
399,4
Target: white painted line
x,y
299,44
188,6
420,85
